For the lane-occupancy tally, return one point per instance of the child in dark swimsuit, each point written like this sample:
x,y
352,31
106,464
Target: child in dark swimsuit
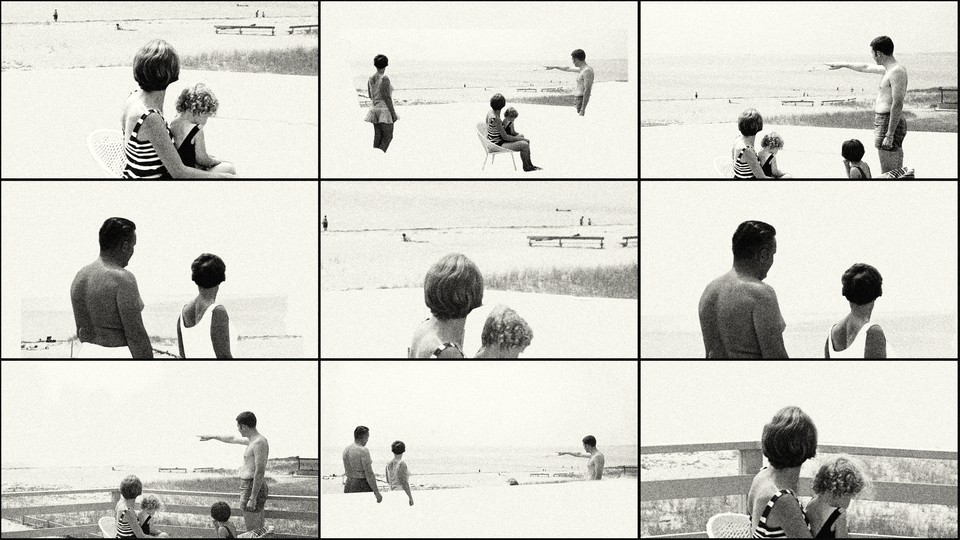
x,y
837,482
767,156
220,512
852,152
149,506
195,106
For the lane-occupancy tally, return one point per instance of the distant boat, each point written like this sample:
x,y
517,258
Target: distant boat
x,y
562,210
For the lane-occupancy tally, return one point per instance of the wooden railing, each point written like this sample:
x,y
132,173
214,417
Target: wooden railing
x,y
108,508
751,461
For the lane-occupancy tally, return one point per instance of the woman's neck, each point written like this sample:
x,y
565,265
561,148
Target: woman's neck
x,y
787,478
154,100
749,139
451,330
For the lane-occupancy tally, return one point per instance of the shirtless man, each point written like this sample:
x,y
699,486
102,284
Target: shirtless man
x,y
106,300
584,80
358,465
253,490
595,466
889,126
739,314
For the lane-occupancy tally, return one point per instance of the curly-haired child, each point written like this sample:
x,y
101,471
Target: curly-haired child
x,y
505,334
195,106
837,482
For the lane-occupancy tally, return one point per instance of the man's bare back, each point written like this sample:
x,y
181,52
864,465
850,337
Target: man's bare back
x,y
734,311
103,296
249,469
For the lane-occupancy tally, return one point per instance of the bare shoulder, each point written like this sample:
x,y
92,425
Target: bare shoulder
x,y
875,332
787,505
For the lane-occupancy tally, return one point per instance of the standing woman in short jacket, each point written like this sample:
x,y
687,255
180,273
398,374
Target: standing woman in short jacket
x,y
381,114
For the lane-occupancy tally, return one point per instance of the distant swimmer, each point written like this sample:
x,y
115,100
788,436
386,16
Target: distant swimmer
x,y
325,223
695,96
739,314
54,15
106,299
595,466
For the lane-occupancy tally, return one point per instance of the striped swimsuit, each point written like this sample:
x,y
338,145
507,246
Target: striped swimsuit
x,y
124,530
762,530
741,169
493,134
142,158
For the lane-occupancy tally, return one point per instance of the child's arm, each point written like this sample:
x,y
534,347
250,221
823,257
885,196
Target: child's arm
x,y
200,146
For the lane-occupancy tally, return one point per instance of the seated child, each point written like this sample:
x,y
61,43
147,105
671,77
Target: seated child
x,y
195,106
852,152
835,484
220,512
509,117
149,506
767,156
505,334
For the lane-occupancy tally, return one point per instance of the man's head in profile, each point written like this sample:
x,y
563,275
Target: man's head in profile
x,y
118,237
754,245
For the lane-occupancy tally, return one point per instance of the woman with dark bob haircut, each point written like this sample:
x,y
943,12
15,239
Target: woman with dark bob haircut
x,y
855,336
745,161
200,336
381,114
452,289
788,440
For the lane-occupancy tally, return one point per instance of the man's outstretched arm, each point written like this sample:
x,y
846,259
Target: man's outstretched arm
x,y
564,68
231,439
574,454
862,68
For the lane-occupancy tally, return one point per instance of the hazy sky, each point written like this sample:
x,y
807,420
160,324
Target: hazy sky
x,y
147,413
893,404
461,31
836,28
480,403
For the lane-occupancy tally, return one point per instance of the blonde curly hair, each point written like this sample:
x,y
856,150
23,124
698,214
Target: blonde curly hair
x,y
150,502
841,476
505,328
772,139
197,99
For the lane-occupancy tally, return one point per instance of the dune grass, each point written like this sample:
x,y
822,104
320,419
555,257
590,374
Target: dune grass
x,y
292,61
606,281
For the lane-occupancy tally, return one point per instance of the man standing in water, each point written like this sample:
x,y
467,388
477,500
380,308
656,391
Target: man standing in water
x,y
739,314
106,299
325,223
584,79
253,490
358,465
889,126
595,466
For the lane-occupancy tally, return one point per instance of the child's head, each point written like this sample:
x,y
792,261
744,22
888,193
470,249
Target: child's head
x,y
839,480
220,511
509,115
131,487
156,65
772,141
453,287
506,330
852,150
150,504
498,102
198,103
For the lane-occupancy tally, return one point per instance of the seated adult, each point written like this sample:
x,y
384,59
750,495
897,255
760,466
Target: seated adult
x,y
499,136
745,162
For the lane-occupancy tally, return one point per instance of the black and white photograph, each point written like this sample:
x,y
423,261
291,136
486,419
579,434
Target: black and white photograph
x,y
478,449
442,89
779,90
831,449
107,449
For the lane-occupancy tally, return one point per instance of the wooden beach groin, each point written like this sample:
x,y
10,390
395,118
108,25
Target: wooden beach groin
x,y
172,469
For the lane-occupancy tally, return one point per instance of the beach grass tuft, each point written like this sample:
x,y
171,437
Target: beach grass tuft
x,y
291,61
606,281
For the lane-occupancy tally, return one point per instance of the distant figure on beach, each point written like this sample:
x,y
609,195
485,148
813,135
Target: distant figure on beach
x,y
54,15
106,299
739,314
889,126
695,96
581,221
397,474
595,466
453,287
195,106
381,114
358,465
584,80
855,336
128,526
325,223
589,222
499,136
505,334
253,488
770,145
203,328
745,162
404,237
257,14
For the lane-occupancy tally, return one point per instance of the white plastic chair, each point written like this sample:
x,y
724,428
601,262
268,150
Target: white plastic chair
x,y
724,166
490,148
729,525
106,147
108,526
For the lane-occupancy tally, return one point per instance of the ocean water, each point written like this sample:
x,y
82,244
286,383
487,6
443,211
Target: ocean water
x,y
721,76
41,12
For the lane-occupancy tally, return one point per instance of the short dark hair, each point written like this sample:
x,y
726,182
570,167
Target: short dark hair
x,y
862,284
498,102
882,44
789,439
220,511
398,447
360,432
750,122
590,440
579,54
115,231
247,418
852,150
750,238
208,270
453,287
380,61
131,487
156,65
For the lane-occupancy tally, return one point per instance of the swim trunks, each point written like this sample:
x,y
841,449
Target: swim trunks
x,y
880,123
246,488
357,485
92,350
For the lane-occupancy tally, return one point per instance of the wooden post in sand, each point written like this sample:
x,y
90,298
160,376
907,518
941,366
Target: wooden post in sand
x,y
751,460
